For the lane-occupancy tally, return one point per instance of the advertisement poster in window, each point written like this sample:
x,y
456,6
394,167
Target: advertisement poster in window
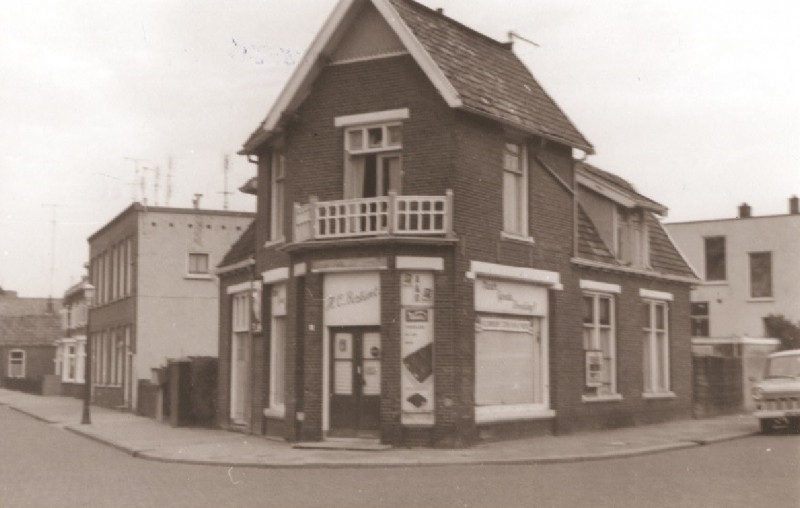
x,y
416,348
594,369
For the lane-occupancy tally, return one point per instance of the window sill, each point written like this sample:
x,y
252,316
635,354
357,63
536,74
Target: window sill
x,y
764,299
198,276
490,414
275,412
513,237
714,283
659,395
275,242
616,397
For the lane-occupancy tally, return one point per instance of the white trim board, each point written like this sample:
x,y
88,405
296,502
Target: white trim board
x,y
389,115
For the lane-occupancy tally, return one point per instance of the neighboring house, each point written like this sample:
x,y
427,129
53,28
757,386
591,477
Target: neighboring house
x,y
437,266
27,350
155,293
13,305
71,347
750,267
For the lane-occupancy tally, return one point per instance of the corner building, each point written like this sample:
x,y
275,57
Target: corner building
x,y
429,273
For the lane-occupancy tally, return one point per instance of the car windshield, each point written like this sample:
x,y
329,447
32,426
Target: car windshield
x,y
784,366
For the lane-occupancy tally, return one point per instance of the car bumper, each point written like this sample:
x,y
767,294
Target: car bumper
x,y
777,414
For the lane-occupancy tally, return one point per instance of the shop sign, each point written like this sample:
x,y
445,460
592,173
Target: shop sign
x,y
594,369
503,325
416,348
503,297
352,299
416,288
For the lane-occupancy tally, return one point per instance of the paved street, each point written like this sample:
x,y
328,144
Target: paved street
x,y
44,465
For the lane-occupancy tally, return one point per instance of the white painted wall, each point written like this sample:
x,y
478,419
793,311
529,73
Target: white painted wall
x,y
178,315
732,311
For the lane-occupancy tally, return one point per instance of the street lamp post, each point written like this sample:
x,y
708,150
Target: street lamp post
x,y
88,293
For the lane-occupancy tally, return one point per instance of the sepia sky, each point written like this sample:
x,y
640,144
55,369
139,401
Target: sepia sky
x,y
696,103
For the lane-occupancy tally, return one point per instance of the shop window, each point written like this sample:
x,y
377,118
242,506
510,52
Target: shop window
x,y
599,345
16,363
715,258
656,347
515,190
699,316
373,162
508,358
761,274
199,264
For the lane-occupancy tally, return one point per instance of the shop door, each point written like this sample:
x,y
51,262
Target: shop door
x,y
355,384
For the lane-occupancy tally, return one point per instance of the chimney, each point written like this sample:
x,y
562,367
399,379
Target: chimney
x,y
196,201
440,11
744,211
794,205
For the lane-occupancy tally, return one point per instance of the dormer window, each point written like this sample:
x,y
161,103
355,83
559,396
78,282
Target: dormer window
x,y
631,243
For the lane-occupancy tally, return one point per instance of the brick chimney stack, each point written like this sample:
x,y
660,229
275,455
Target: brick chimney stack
x,y
745,211
794,205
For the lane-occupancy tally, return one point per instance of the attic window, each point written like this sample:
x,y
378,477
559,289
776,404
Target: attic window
x,y
631,245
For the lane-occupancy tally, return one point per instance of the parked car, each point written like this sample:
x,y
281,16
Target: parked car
x,y
777,395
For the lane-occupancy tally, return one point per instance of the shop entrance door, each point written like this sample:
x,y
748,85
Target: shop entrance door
x,y
355,382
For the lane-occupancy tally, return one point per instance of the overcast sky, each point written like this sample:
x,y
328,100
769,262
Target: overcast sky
x,y
696,103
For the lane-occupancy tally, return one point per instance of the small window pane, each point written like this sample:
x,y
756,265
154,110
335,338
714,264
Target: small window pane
x,y
198,263
355,139
605,311
375,137
395,134
715,258
588,309
660,316
760,274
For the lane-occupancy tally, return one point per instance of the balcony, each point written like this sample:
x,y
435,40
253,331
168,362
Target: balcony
x,y
390,215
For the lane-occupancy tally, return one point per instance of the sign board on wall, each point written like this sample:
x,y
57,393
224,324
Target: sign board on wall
x,y
503,297
352,299
595,372
416,348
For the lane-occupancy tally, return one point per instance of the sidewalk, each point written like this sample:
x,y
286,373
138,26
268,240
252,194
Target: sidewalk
x,y
149,439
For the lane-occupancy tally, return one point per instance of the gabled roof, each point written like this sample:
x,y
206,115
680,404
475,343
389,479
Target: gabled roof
x,y
471,71
616,188
36,330
242,249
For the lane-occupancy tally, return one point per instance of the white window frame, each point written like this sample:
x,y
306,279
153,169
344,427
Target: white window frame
x,y
595,328
22,362
384,151
68,358
240,331
518,207
198,275
657,358
639,247
277,196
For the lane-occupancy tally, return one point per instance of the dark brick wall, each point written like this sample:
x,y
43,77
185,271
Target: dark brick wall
x,y
443,150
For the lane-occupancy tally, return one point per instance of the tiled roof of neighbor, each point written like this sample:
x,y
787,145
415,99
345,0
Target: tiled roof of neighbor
x,y
36,330
617,181
16,306
488,76
243,248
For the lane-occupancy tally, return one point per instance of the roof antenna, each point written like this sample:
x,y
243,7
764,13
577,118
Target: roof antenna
x,y
514,35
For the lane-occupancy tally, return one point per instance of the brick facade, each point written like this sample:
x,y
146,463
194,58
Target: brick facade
x,y
443,149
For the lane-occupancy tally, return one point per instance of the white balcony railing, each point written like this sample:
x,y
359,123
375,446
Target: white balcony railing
x,y
385,215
